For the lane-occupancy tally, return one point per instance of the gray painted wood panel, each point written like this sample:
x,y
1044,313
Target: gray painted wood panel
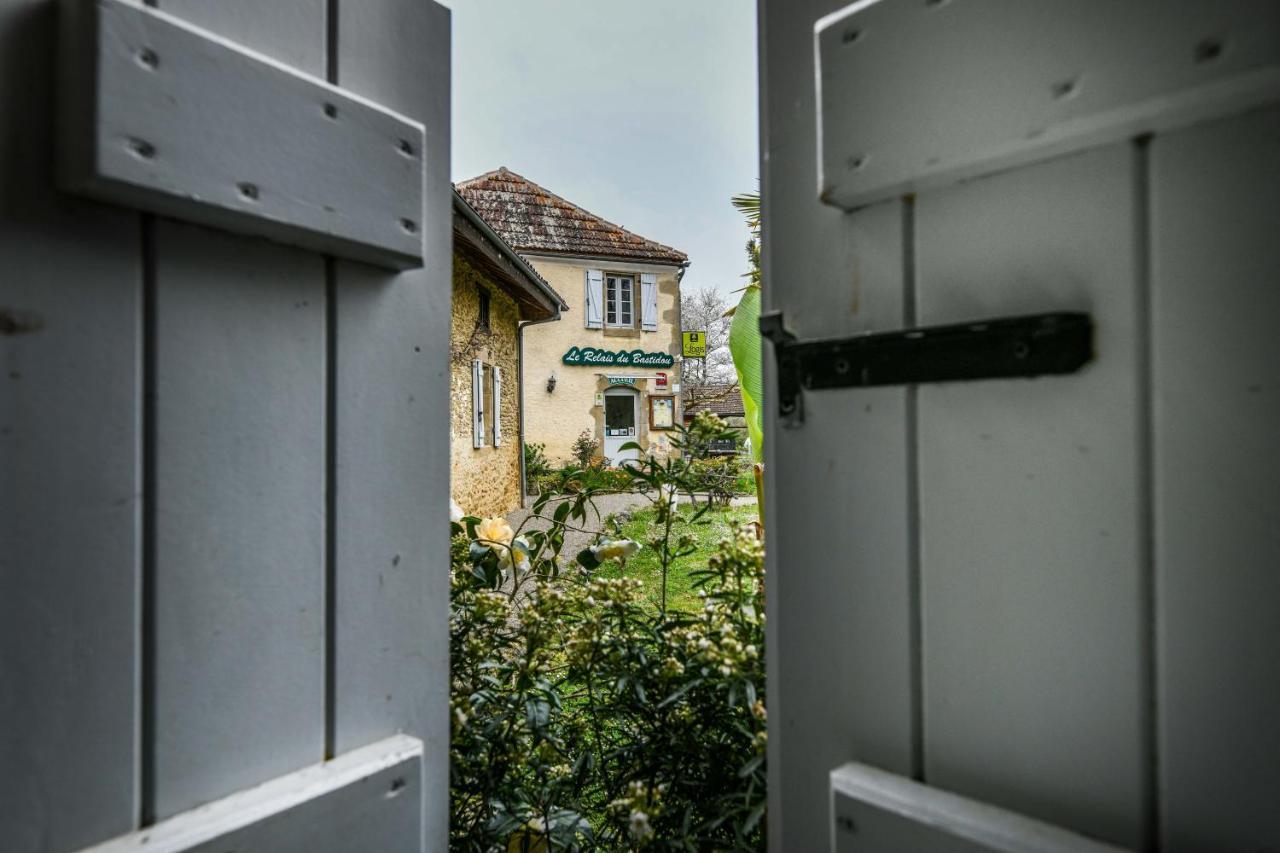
x,y
69,476
392,432
1215,194
239,569
178,120
839,583
842,597
1032,561
240,321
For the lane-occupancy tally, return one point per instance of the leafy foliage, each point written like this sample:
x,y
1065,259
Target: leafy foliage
x,y
586,718
586,448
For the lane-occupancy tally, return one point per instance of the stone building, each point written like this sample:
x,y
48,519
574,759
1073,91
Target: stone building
x,y
612,371
495,294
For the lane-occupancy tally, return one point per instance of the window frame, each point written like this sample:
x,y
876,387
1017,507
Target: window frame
x,y
614,304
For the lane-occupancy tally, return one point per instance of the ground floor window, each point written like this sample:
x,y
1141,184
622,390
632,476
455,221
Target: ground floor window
x,y
486,404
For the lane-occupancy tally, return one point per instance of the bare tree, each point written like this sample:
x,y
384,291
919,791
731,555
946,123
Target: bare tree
x,y
703,310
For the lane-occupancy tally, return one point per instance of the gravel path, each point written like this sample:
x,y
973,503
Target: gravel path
x,y
575,540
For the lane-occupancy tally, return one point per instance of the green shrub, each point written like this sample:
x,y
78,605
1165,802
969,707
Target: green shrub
x,y
536,463
586,448
584,718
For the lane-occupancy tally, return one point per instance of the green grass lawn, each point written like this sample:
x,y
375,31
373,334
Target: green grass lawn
x,y
707,532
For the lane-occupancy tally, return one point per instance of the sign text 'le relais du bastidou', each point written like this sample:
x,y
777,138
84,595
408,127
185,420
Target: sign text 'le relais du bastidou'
x,y
621,358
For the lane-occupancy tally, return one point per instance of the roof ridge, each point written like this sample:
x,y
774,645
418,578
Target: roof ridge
x,y
503,170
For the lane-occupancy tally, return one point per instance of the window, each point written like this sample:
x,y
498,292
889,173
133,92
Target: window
x,y
619,301
486,404
482,321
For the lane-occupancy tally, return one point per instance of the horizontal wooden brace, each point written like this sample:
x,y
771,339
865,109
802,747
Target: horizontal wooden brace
x,y
160,115
366,799
878,812
913,94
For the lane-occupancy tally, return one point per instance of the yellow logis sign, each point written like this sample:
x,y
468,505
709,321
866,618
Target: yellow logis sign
x,y
694,344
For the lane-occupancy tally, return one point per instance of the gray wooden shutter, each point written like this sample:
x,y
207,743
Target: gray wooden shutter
x,y
497,406
477,403
649,302
595,298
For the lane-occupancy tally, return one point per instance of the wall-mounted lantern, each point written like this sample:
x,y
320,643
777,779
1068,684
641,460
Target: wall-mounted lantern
x,y
551,383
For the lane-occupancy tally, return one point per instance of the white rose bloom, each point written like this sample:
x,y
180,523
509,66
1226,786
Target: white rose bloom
x,y
618,549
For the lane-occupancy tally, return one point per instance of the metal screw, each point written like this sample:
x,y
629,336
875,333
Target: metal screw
x,y
1021,350
249,191
409,225
846,823
330,110
405,148
1064,89
851,35
142,148
856,162
148,58
841,366
1208,49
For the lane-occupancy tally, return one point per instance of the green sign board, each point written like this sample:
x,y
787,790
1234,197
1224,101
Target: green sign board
x,y
593,357
621,380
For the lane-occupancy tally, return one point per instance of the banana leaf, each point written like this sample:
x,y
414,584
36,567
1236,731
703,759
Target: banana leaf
x,y
744,344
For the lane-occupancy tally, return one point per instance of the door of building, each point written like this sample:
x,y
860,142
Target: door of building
x,y
224,470
620,424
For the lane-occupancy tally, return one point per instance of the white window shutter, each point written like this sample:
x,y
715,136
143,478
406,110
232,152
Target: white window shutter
x,y
497,406
477,403
649,302
595,299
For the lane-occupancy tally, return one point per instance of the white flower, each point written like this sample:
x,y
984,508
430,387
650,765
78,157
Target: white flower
x,y
640,829
516,554
455,511
611,549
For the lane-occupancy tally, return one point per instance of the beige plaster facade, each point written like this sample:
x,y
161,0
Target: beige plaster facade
x,y
556,418
485,480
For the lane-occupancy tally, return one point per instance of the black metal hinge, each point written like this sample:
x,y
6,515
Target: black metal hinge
x,y
1005,348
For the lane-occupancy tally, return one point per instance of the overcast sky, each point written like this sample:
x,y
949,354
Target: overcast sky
x,y
643,113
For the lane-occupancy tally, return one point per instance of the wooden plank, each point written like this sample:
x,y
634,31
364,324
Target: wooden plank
x,y
1215,264
69,476
181,121
838,560
238,692
367,799
239,631
391,584
879,812
1008,83
1031,506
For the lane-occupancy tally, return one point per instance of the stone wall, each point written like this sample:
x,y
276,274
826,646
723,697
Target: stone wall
x,y
556,418
485,480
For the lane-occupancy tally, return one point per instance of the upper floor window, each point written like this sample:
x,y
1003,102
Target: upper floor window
x,y
619,301
614,300
483,320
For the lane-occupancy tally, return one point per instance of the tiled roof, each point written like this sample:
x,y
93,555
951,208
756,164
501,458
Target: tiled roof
x,y
723,400
535,220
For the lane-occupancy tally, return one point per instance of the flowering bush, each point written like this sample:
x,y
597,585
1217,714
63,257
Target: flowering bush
x,y
584,716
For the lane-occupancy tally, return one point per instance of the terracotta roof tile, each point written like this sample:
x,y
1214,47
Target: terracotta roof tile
x,y
533,219
723,400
